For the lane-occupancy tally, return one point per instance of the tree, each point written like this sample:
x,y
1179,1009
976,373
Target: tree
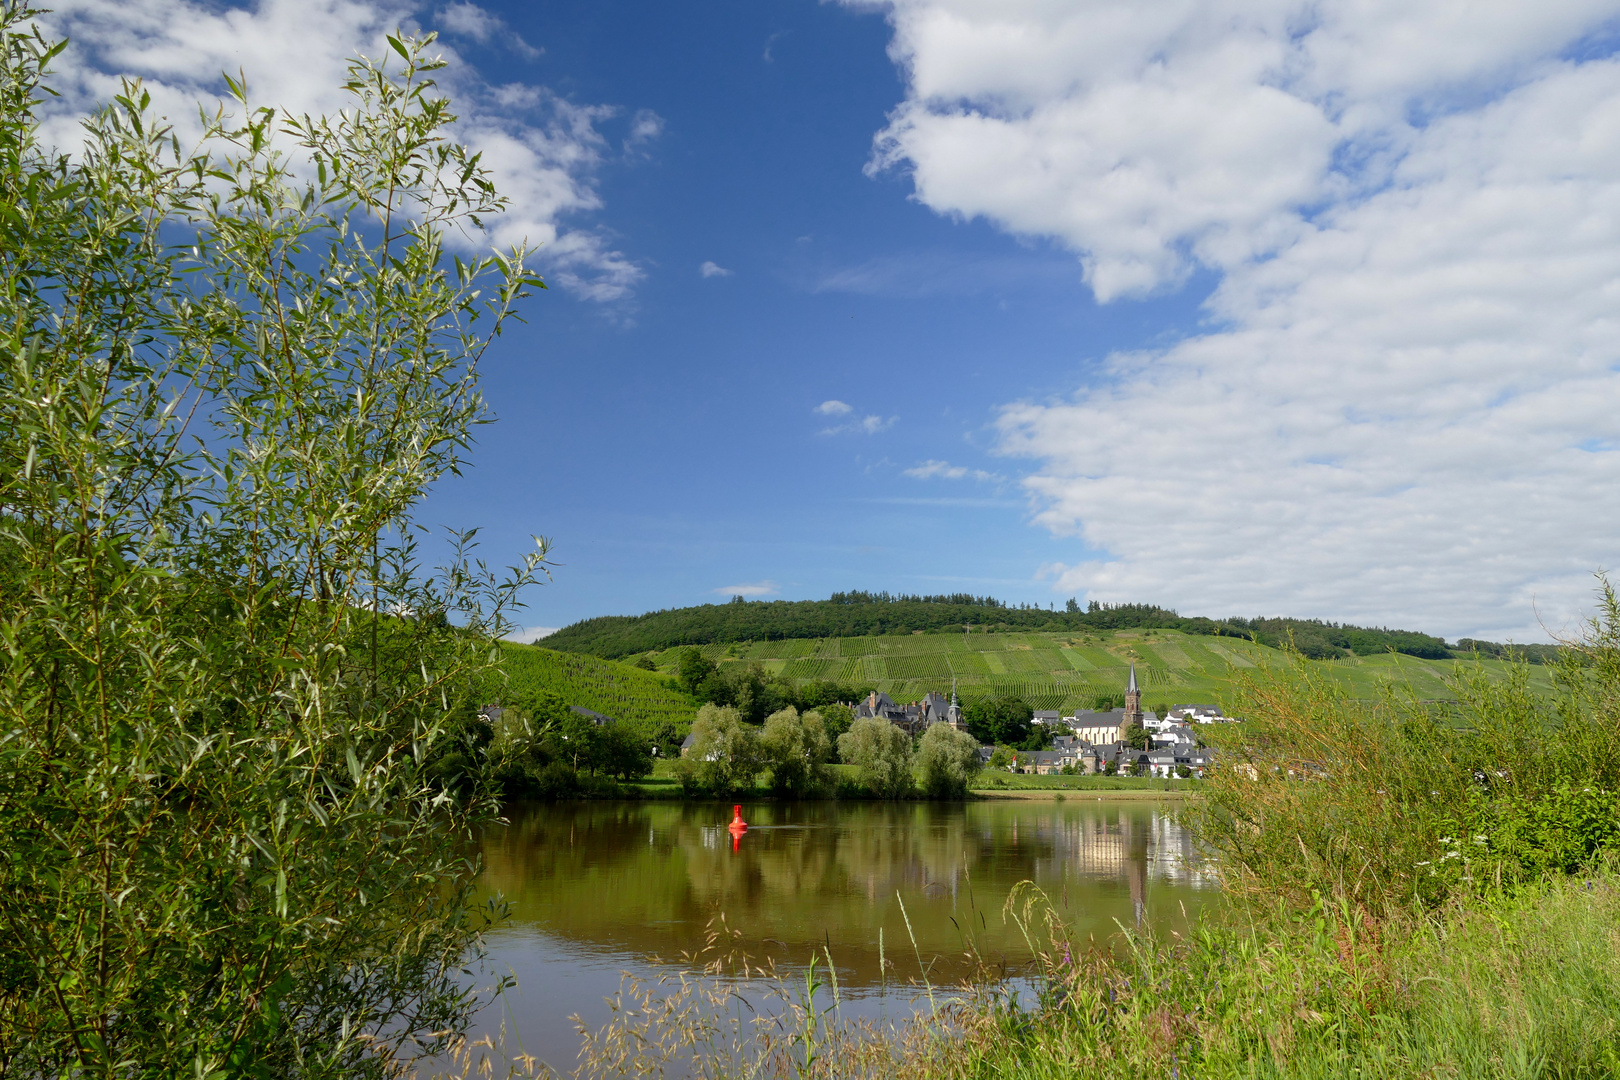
x,y
837,719
947,760
227,378
693,670
796,748
1001,758
1004,721
725,754
881,754
624,751
1136,737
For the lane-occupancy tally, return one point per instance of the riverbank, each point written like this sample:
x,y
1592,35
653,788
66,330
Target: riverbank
x,y
1048,795
662,784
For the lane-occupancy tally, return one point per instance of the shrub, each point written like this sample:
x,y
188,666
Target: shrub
x,y
1386,802
226,380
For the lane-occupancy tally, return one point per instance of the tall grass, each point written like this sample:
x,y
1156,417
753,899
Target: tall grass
x,y
1398,801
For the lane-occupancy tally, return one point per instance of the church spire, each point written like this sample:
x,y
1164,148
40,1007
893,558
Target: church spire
x,y
1133,700
1130,687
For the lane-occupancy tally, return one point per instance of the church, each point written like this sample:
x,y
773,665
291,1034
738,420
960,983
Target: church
x,y
1101,728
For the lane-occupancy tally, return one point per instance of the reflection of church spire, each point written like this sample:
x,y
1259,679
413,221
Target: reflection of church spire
x,y
1136,845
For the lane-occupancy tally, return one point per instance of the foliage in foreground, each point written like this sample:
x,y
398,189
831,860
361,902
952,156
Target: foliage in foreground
x,y
226,378
1396,802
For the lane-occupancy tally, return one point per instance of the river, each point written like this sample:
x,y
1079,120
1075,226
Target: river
x,y
597,889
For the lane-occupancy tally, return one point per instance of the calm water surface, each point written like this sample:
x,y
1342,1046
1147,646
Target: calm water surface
x,y
597,889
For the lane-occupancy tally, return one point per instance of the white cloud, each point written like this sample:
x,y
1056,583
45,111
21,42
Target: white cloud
x,y
713,269
544,150
528,635
1407,408
758,588
470,20
944,470
645,126
858,425
1150,138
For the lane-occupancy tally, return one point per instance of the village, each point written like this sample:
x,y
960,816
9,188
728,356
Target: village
x,y
1084,744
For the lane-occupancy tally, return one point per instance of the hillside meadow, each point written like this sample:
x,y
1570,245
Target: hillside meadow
x,y
1063,671
619,690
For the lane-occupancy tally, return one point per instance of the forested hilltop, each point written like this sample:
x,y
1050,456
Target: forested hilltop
x,y
860,614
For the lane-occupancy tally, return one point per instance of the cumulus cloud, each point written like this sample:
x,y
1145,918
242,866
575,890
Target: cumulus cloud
x,y
758,588
528,635
545,151
944,470
713,269
834,408
1150,138
1407,406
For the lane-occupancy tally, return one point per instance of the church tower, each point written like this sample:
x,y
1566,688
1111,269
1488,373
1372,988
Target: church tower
x,y
1133,700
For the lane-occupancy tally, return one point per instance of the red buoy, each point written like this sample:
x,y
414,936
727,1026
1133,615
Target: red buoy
x,y
737,827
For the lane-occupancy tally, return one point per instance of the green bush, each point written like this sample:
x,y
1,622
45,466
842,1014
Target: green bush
x,y
1388,802
231,704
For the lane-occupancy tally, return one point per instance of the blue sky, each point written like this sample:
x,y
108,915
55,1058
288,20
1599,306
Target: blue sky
x,y
1268,307
669,445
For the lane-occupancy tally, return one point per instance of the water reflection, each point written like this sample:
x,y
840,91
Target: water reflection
x,y
627,882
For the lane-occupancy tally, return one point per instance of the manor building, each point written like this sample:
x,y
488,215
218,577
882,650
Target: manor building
x,y
916,717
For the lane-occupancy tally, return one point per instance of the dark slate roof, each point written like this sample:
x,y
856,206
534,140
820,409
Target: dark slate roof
x,y
1099,719
593,717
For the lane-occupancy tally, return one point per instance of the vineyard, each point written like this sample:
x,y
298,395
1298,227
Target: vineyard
x,y
605,686
1065,671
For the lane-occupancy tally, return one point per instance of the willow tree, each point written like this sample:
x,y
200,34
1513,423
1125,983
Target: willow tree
x,y
227,376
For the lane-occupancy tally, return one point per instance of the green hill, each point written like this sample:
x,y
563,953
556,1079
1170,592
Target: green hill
x,y
1060,669
606,686
858,614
